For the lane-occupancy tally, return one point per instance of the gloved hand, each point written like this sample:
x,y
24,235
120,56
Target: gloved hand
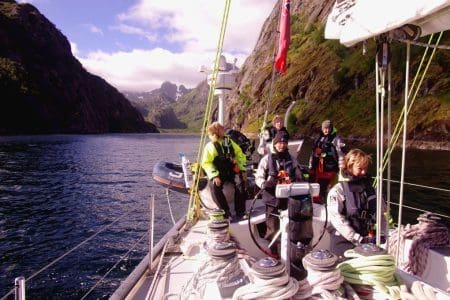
x,y
373,239
244,176
217,181
269,183
368,240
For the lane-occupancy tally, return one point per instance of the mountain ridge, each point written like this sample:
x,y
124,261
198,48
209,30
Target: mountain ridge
x,y
44,87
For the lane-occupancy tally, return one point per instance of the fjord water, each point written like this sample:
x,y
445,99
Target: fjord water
x,y
58,190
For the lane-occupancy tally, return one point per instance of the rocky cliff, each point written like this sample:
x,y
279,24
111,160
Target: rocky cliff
x,y
328,80
44,89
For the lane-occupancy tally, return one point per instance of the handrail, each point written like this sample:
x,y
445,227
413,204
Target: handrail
x,y
421,210
114,266
71,250
419,185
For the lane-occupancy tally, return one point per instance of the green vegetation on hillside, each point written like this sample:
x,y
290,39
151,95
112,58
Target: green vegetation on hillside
x,y
328,80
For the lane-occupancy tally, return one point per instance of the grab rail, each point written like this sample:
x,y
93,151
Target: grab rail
x,y
71,250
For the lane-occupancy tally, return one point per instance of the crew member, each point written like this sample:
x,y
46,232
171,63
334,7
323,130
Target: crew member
x,y
352,205
222,160
269,133
326,159
277,166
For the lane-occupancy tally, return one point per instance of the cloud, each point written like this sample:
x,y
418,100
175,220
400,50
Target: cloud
x,y
145,70
94,29
191,25
74,48
127,29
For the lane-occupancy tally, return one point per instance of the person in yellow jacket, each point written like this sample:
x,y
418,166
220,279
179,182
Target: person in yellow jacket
x,y
222,160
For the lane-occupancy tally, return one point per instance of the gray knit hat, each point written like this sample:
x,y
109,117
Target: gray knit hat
x,y
327,124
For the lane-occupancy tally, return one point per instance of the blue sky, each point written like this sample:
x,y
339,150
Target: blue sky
x,y
137,44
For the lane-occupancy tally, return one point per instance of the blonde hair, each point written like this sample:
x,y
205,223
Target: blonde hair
x,y
356,156
216,129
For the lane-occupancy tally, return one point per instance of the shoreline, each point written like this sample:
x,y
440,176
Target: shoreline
x,y
410,144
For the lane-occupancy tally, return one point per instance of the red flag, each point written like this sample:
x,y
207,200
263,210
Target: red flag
x,y
285,37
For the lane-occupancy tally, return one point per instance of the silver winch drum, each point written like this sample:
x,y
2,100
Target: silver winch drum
x,y
268,267
320,260
369,250
221,250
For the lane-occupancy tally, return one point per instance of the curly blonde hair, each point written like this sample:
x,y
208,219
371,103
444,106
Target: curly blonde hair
x,y
356,156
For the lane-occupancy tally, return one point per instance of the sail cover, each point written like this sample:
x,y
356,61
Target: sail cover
x,y
352,21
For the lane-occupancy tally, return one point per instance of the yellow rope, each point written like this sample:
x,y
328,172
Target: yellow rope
x,y
194,199
377,271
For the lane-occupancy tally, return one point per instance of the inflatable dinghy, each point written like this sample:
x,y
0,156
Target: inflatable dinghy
x,y
171,176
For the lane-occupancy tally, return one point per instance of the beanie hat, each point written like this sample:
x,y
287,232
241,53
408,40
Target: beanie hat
x,y
281,136
327,124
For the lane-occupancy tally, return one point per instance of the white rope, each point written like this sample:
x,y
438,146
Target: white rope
x,y
219,235
422,291
211,271
280,288
320,283
170,207
155,276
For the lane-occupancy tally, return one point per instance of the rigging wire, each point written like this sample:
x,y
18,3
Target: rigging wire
x,y
419,185
115,265
397,129
421,210
194,199
445,47
402,172
71,250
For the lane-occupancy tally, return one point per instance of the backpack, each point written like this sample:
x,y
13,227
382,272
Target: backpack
x,y
239,138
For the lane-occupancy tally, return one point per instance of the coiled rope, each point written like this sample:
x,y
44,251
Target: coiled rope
x,y
377,271
319,283
212,270
280,288
428,233
323,277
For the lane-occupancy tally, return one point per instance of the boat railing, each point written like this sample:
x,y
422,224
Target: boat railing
x,y
19,288
20,282
423,187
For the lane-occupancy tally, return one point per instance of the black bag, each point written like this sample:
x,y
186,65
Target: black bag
x,y
239,138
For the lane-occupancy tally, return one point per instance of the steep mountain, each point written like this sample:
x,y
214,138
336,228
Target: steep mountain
x,y
158,105
328,80
44,89
190,108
